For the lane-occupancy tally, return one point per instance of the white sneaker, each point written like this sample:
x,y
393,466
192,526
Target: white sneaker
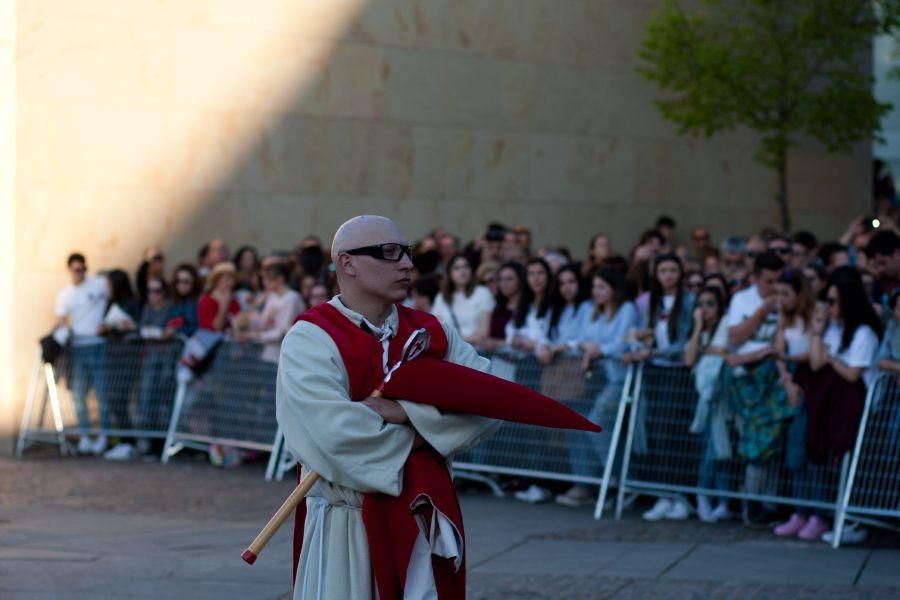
x,y
705,510
84,445
659,510
534,494
853,534
679,511
721,513
99,445
121,452
577,496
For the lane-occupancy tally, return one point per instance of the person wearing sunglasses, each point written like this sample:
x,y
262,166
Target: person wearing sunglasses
x,y
80,307
360,445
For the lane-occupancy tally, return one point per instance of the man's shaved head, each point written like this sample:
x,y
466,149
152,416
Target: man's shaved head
x,y
364,230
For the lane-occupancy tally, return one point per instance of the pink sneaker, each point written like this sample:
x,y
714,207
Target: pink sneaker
x,y
791,527
814,529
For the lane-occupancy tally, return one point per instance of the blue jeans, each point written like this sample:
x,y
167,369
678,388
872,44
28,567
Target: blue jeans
x,y
588,452
89,369
713,473
803,485
157,388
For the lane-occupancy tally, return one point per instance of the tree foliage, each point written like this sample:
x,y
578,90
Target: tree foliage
x,y
784,68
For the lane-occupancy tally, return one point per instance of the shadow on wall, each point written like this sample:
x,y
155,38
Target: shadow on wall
x,y
428,112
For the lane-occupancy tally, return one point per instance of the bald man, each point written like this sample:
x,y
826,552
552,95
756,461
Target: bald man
x,y
368,449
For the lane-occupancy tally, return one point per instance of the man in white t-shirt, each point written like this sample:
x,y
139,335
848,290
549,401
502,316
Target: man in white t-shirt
x,y
752,319
81,306
754,388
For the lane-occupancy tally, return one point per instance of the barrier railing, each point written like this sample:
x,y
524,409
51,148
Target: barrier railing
x,y
127,388
872,493
577,457
664,458
122,388
231,404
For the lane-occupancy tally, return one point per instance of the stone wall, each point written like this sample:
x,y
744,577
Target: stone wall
x,y
172,121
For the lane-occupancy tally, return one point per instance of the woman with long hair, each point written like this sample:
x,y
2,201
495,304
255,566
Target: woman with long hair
x,y
528,327
705,352
845,338
123,359
610,318
569,308
462,303
186,287
668,317
511,293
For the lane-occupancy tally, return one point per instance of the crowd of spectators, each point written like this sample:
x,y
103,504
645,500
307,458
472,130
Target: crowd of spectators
x,y
793,326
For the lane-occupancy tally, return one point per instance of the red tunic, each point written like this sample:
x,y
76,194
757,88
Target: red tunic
x,y
391,528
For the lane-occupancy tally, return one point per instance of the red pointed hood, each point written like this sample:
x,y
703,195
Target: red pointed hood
x,y
455,388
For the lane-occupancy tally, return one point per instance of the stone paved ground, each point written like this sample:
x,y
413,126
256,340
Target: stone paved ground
x,y
87,528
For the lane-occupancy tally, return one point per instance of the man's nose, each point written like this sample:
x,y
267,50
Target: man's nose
x,y
406,263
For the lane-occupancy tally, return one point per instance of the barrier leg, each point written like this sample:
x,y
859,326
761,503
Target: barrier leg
x,y
629,441
52,390
29,404
840,513
168,447
275,456
613,445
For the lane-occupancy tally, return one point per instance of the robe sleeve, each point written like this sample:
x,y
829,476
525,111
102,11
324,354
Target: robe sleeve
x,y
345,442
449,433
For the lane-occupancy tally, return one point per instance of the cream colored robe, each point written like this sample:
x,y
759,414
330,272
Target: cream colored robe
x,y
355,451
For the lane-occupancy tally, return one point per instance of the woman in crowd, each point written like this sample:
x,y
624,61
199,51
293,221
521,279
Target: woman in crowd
x,y
611,316
816,275
462,303
569,310
663,338
717,280
157,387
153,265
248,283
795,308
282,306
123,359
693,282
705,352
599,249
845,339
668,319
486,275
511,293
318,295
528,327
218,306
183,312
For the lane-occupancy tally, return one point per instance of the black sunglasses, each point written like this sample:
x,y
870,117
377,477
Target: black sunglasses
x,y
392,252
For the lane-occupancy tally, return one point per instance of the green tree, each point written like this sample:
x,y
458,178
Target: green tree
x,y
784,68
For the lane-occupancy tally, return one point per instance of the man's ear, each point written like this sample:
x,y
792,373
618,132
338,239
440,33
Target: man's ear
x,y
345,261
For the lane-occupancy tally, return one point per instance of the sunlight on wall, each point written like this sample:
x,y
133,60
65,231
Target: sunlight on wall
x,y
129,114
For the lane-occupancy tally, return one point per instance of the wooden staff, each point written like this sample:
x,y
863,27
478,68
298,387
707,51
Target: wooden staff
x,y
415,345
290,505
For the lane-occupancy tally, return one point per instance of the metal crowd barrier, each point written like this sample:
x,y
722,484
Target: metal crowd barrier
x,y
664,458
872,494
528,451
536,452
122,388
231,404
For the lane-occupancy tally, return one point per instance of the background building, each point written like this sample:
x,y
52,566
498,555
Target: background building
x,y
168,122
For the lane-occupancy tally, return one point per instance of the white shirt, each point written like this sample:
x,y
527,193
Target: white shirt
x,y
534,328
796,338
275,320
85,305
469,312
860,352
661,329
743,305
